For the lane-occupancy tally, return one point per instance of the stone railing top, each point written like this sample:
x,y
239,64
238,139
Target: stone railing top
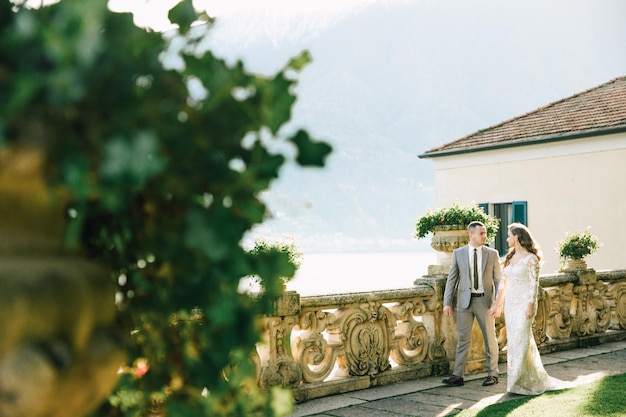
x,y
420,290
611,275
553,280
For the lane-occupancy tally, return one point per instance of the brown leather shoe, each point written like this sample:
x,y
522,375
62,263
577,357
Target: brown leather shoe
x,y
453,381
491,380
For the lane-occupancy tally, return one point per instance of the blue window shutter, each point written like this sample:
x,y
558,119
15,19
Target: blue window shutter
x,y
520,212
485,207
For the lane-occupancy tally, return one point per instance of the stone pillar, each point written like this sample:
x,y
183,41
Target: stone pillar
x,y
277,364
59,353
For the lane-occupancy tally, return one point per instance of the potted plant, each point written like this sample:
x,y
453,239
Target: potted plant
x,y
448,225
455,217
575,247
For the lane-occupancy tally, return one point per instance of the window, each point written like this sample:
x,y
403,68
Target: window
x,y
507,213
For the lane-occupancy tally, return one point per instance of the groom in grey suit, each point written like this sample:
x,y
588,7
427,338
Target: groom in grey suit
x,y
475,275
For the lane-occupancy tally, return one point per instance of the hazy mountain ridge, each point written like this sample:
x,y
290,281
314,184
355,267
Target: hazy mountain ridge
x,y
387,84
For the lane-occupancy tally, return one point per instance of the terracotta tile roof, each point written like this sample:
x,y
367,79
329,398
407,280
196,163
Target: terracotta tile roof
x,y
599,110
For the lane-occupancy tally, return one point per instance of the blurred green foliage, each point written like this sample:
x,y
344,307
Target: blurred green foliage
x,y
284,252
163,183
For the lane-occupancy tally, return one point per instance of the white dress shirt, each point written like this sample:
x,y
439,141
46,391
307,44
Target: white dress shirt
x,y
479,254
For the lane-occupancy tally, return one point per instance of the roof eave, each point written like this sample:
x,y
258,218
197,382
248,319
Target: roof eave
x,y
547,139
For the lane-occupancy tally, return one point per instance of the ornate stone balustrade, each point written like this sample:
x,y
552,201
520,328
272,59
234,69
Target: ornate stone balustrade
x,y
325,345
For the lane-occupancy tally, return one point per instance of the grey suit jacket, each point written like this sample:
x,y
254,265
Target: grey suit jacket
x,y
459,277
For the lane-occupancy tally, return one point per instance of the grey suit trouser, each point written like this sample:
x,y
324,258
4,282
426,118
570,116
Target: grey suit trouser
x,y
465,320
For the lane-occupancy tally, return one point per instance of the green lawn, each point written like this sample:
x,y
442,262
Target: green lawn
x,y
603,398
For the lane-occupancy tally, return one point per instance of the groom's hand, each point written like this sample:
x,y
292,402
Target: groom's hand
x,y
447,311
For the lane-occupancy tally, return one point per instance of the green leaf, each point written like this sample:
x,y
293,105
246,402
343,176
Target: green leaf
x,y
276,101
136,160
310,152
299,62
183,14
200,235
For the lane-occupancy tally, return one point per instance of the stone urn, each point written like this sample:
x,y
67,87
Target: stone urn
x,y
59,350
445,240
574,264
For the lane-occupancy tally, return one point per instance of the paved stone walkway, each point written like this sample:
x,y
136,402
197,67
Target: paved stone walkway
x,y
427,397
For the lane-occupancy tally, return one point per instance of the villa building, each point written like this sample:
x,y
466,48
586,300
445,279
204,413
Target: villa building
x,y
560,168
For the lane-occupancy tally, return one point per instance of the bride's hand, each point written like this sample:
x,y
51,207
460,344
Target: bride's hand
x,y
495,311
530,311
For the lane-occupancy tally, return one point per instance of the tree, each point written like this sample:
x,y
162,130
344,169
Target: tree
x,y
162,169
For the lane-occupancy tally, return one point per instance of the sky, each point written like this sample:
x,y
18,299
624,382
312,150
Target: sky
x,y
225,8
274,16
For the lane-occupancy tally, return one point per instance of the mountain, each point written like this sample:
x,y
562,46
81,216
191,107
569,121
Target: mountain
x,y
390,80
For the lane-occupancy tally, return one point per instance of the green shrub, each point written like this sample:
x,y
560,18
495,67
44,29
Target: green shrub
x,y
285,252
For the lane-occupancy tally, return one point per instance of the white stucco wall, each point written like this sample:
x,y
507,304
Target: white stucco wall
x,y
569,185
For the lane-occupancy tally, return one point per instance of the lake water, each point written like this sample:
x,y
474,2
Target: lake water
x,y
332,273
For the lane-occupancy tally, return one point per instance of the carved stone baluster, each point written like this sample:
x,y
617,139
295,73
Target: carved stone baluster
x,y
560,321
599,308
411,344
581,317
585,320
616,299
431,318
278,367
313,352
366,332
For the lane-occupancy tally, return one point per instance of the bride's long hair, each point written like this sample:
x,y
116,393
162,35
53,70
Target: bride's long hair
x,y
525,239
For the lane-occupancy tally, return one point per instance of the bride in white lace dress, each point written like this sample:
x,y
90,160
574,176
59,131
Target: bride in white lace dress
x,y
525,372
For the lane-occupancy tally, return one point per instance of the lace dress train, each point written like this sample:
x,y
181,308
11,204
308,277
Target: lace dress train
x,y
525,374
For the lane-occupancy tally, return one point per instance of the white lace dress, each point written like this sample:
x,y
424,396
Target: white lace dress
x,y
525,374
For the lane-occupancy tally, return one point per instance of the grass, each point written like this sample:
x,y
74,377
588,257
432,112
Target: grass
x,y
603,398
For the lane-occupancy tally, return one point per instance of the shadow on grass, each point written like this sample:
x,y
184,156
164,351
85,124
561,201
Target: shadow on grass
x,y
504,406
604,398
608,398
